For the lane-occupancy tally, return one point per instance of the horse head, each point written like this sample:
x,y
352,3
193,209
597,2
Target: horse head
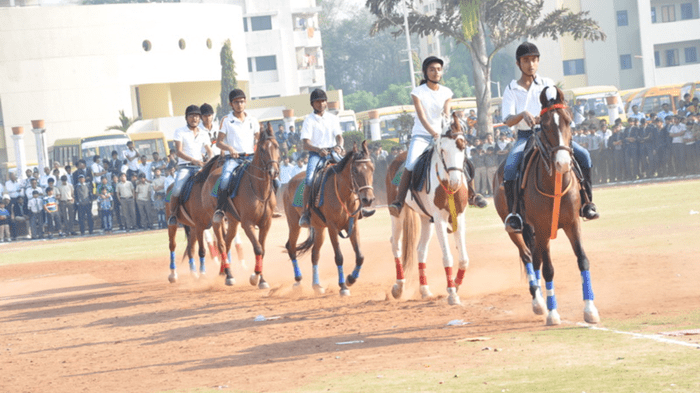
x,y
268,150
555,121
451,149
363,174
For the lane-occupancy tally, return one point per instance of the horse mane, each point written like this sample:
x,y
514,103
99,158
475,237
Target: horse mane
x,y
549,98
203,173
339,167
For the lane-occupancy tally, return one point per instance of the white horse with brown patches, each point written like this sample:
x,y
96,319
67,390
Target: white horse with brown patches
x,y
441,205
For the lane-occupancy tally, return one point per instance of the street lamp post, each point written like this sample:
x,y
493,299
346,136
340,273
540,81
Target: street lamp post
x,y
498,86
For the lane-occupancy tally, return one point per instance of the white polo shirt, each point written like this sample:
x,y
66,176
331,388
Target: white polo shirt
x,y
433,102
516,99
191,145
213,134
132,164
240,135
321,130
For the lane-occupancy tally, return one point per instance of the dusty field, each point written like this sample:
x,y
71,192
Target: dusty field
x,y
116,325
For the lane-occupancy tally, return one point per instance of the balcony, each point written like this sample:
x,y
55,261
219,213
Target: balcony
x,y
308,38
311,76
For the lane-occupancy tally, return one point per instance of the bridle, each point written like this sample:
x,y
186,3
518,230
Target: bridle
x,y
547,150
267,164
442,158
355,188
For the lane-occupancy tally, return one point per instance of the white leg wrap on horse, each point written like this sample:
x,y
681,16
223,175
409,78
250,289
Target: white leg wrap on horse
x,y
425,292
397,289
590,312
553,318
452,297
538,304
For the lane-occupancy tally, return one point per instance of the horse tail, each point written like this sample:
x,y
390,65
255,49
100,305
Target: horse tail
x,y
190,245
307,244
408,242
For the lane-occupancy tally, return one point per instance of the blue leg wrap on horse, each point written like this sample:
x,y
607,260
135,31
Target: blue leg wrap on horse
x,y
297,271
316,280
531,278
172,260
192,266
201,263
538,275
341,275
551,299
356,272
586,281
229,256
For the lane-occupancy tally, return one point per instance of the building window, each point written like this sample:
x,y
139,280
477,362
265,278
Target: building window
x,y
668,13
622,18
625,62
245,25
686,11
671,57
258,23
657,58
265,63
653,14
574,67
250,64
691,55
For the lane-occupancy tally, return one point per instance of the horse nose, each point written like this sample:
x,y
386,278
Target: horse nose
x,y
562,166
562,161
367,201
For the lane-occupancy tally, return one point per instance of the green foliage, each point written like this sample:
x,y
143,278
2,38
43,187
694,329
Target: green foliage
x,y
361,101
352,137
228,78
405,123
124,122
395,95
460,86
387,144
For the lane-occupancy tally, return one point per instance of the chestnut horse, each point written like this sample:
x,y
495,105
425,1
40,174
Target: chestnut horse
x,y
546,194
252,206
347,189
442,200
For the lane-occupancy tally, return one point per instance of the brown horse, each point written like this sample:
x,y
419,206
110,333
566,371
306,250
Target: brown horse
x,y
550,200
347,189
253,204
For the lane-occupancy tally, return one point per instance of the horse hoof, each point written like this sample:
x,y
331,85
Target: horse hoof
x,y
172,278
344,292
194,274
319,290
397,291
254,278
553,318
351,280
453,298
590,313
230,281
538,305
263,285
425,292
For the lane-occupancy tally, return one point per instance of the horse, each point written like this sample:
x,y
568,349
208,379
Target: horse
x,y
442,202
550,200
251,206
347,188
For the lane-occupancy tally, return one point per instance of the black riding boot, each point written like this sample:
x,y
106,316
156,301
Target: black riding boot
x,y
395,207
588,208
220,206
172,220
513,222
305,219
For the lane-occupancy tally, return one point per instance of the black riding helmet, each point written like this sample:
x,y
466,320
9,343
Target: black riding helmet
x,y
428,61
526,49
318,95
192,109
235,93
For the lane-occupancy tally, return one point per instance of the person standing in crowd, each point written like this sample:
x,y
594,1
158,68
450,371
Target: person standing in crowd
x,y
594,145
579,111
636,114
115,164
646,149
5,218
143,201
53,221
105,203
125,196
209,127
83,198
131,155
157,163
172,160
605,165
97,169
238,136
661,143
116,205
13,187
503,147
616,143
190,141
44,178
677,132
20,218
33,186
666,111
481,182
103,185
36,208
689,142
144,168
169,179
66,206
631,148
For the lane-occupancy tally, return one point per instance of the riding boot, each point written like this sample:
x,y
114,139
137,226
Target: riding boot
x,y
172,220
588,208
305,219
395,207
476,199
513,222
220,205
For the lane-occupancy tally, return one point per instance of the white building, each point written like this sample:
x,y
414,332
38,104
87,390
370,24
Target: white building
x,y
649,43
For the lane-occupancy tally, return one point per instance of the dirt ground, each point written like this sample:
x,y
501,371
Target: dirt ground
x,y
119,326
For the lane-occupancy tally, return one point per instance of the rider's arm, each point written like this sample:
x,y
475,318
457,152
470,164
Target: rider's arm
x,y
311,148
222,145
420,113
181,154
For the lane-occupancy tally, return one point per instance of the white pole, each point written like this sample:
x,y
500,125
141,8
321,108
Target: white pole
x,y
408,44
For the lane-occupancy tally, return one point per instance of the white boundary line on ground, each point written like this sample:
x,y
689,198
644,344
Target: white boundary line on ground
x,y
655,337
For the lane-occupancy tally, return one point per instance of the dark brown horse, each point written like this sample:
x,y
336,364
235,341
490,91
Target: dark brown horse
x,y
347,189
549,184
252,206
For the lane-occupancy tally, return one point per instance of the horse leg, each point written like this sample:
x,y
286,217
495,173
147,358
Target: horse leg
x,y
447,262
291,247
396,231
255,278
319,237
359,258
225,264
262,235
524,241
426,232
172,231
460,236
191,237
542,254
590,312
202,252
213,249
333,235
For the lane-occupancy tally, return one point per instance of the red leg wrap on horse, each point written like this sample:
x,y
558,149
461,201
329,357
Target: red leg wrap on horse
x,y
460,276
421,274
399,269
258,264
448,273
213,251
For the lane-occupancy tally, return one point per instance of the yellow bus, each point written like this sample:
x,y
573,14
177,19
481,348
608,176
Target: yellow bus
x,y
692,88
651,99
147,142
389,124
68,151
596,98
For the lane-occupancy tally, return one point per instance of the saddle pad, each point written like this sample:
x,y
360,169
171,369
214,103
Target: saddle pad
x,y
298,200
187,187
397,178
421,171
235,179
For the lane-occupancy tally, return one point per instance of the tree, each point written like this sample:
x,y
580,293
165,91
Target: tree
x,y
361,101
394,95
228,78
460,86
125,122
470,22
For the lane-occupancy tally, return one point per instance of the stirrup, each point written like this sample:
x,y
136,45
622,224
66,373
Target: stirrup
x,y
514,227
304,220
218,216
172,221
395,209
589,211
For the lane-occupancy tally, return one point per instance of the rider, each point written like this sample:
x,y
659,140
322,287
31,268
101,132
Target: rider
x,y
189,143
321,135
521,107
432,102
237,137
207,125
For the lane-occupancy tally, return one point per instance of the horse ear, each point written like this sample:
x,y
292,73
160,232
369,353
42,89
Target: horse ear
x,y
269,129
365,149
354,147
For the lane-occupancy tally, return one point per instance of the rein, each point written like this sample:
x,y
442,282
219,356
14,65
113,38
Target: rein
x,y
450,193
355,194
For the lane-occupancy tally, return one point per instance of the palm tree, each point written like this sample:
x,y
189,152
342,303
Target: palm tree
x,y
125,121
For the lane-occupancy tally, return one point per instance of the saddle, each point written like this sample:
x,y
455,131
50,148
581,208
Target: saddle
x,y
530,154
420,172
235,181
317,186
186,187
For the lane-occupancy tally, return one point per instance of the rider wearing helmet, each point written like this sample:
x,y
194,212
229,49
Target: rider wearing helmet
x,y
207,125
190,141
237,137
321,135
521,108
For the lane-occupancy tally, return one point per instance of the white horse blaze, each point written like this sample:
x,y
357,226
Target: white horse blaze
x,y
562,159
